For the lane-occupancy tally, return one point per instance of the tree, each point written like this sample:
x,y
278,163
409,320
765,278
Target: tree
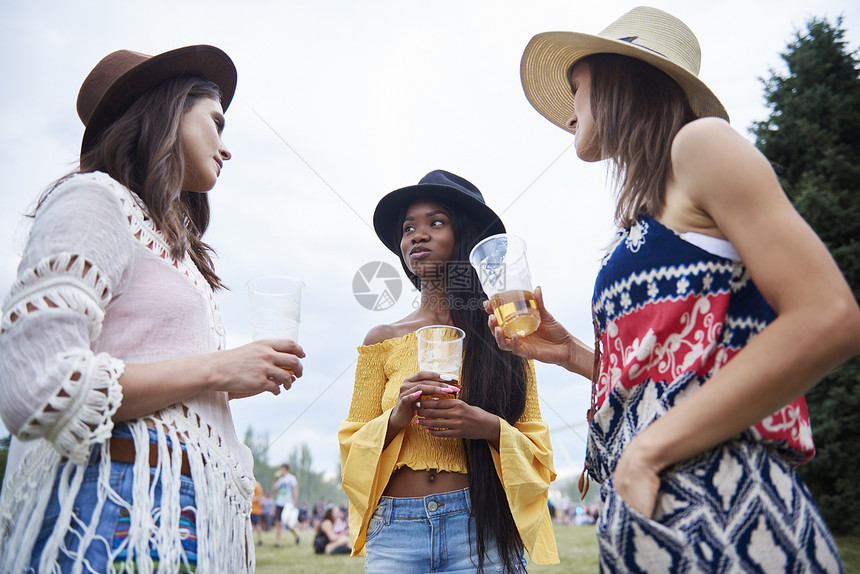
x,y
813,139
313,485
259,445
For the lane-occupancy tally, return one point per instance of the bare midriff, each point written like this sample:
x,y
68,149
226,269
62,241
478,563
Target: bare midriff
x,y
408,483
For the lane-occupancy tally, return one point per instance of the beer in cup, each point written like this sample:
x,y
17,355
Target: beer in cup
x,y
440,349
276,308
500,261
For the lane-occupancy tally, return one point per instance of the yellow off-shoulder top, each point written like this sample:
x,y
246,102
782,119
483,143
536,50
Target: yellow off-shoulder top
x,y
523,461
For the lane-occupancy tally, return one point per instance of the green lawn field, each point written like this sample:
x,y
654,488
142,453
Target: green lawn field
x,y
577,548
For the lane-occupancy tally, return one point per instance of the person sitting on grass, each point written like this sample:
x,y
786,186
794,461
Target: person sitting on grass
x,y
326,540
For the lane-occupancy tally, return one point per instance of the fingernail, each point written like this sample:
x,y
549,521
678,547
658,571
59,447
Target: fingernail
x,y
449,390
416,393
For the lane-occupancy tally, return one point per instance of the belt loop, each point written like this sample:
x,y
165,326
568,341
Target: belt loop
x,y
387,510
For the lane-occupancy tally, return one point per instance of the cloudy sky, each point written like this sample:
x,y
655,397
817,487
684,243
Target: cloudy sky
x,y
339,102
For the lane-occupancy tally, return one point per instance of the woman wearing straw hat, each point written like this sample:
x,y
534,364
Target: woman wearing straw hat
x,y
113,374
456,485
715,309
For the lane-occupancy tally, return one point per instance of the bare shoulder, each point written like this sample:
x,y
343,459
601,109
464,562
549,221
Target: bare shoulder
x,y
382,333
708,156
378,334
404,326
707,136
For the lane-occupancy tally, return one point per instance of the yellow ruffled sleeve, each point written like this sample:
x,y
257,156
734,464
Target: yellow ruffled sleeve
x,y
365,466
525,468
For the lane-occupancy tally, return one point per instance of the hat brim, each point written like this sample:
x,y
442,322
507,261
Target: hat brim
x,y
204,61
390,206
549,56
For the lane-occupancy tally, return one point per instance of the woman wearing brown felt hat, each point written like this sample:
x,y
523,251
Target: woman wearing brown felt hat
x,y
114,377
715,309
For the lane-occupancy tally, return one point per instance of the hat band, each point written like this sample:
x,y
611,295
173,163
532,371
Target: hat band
x,y
630,40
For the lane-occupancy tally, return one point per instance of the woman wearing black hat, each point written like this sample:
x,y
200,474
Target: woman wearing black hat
x,y
453,485
715,309
113,374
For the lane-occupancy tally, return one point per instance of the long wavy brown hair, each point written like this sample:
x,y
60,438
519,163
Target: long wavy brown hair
x,y
142,150
637,112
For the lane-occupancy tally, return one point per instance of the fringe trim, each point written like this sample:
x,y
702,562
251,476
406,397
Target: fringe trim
x,y
595,371
584,481
223,494
23,502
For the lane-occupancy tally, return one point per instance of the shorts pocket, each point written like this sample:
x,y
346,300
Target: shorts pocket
x,y
82,514
377,521
374,527
623,531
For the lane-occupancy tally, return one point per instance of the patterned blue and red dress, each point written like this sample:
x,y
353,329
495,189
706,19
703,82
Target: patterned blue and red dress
x,y
669,314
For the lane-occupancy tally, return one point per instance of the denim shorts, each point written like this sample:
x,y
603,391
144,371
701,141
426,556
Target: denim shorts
x,y
114,517
433,533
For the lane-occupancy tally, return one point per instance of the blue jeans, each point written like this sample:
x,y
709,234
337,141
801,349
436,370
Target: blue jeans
x,y
103,548
434,533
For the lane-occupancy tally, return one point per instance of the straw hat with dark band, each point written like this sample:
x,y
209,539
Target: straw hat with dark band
x,y
644,33
122,76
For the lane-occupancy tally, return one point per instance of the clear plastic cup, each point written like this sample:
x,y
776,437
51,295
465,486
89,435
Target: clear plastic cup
x,y
502,267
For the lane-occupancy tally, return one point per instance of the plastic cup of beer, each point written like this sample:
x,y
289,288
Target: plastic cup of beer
x,y
275,308
502,267
440,349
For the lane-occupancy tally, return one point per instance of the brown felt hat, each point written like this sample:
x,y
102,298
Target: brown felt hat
x,y
644,33
122,76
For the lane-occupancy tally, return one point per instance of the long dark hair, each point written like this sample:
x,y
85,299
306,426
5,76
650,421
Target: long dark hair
x,y
492,379
329,515
637,112
142,150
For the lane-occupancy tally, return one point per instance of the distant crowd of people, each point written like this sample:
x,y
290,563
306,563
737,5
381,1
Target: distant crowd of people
x,y
280,511
563,511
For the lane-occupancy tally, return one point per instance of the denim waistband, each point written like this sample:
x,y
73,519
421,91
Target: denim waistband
x,y
424,506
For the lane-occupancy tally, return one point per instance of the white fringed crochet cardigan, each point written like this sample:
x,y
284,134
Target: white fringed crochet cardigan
x,y
97,289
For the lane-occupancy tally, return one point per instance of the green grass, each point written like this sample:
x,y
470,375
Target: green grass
x,y
301,559
849,548
577,549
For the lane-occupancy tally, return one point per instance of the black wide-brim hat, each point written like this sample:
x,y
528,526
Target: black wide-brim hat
x,y
451,189
123,76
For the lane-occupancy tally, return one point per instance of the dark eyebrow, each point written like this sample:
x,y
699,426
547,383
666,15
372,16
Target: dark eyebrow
x,y
428,214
